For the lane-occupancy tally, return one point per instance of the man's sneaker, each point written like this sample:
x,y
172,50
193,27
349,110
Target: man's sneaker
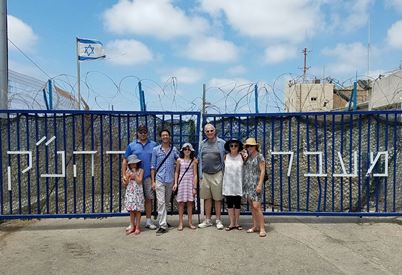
x,y
150,226
205,223
219,225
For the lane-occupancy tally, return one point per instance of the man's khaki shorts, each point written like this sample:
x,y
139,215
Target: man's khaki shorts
x,y
147,186
211,186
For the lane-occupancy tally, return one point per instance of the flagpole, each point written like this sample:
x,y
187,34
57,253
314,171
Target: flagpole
x,y
78,76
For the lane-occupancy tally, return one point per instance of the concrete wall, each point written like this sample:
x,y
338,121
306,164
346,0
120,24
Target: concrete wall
x,y
308,97
387,92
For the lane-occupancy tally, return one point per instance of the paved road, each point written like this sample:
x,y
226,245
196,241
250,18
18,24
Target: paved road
x,y
293,246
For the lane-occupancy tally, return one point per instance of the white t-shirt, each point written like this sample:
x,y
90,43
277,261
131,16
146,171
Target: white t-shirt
x,y
233,176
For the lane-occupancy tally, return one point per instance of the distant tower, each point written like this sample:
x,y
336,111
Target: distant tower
x,y
305,67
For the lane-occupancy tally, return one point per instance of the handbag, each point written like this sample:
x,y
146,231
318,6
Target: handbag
x,y
185,171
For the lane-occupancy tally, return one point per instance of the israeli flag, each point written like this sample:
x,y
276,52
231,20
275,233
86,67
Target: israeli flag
x,y
89,49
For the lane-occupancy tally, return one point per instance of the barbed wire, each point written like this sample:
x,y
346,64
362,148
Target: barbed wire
x,y
233,97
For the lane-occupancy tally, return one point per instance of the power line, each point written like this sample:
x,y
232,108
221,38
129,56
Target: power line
x,y
30,59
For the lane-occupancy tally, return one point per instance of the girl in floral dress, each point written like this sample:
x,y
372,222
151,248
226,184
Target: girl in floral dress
x,y
134,193
186,183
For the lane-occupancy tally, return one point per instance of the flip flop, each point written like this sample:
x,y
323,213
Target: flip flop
x,y
263,234
130,231
192,227
252,230
180,228
128,228
230,228
238,227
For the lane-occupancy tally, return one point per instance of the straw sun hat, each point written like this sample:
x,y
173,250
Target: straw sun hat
x,y
251,142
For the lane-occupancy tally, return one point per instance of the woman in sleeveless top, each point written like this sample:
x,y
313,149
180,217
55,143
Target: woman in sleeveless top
x,y
232,182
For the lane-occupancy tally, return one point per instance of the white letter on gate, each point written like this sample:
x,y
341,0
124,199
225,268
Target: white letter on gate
x,y
374,162
320,174
354,169
92,153
63,167
29,153
290,159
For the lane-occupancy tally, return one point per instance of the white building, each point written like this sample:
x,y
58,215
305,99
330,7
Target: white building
x,y
309,97
387,92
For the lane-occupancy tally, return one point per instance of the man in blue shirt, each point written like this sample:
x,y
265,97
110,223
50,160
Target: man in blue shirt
x,y
142,147
164,157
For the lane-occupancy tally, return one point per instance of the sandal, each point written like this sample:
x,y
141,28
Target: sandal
x,y
180,228
192,227
238,227
229,228
262,234
128,228
252,230
132,230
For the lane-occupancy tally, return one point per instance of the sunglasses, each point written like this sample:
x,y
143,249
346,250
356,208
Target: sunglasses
x,y
247,146
143,132
234,145
186,149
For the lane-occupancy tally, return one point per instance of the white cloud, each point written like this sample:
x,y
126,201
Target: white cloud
x,y
20,33
285,20
184,75
225,82
394,4
358,14
127,52
279,53
394,36
349,58
211,49
157,18
237,70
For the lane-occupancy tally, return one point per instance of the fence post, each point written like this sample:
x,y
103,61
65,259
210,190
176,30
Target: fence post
x,y
50,90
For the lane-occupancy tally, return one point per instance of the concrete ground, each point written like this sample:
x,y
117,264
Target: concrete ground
x,y
307,245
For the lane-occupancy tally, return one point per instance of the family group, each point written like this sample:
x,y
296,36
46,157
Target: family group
x,y
226,169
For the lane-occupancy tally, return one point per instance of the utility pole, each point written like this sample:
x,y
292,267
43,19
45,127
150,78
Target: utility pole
x,y
3,56
305,67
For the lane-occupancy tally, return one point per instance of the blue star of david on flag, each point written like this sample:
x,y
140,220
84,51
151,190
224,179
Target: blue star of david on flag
x,y
89,49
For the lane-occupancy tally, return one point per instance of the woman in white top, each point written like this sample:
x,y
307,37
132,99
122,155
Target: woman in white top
x,y
232,181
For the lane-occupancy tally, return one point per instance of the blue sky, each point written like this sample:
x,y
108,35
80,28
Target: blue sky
x,y
174,46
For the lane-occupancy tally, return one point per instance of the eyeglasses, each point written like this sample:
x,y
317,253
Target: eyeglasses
x,y
186,149
233,146
143,132
209,131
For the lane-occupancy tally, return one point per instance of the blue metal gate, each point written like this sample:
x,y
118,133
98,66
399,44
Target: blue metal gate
x,y
68,163
332,164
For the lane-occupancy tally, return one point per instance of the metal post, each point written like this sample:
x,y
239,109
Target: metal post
x,y
49,82
256,98
78,76
355,96
142,98
203,111
3,56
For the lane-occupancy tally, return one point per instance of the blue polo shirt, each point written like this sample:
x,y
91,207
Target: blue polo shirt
x,y
143,152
